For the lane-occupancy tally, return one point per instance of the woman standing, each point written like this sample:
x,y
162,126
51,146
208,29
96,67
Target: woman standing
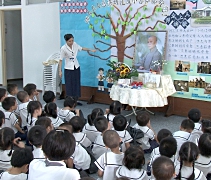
x,y
72,72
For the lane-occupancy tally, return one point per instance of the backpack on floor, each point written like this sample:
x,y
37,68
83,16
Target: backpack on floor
x,y
135,133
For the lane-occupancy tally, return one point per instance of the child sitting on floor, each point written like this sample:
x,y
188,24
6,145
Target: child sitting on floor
x,y
23,97
49,97
89,128
132,164
2,119
203,163
115,108
68,111
20,164
58,146
148,142
31,89
119,124
188,154
12,90
102,125
110,161
80,137
51,112
10,104
46,123
195,115
163,168
36,136
184,134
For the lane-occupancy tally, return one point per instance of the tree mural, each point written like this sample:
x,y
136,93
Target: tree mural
x,y
125,22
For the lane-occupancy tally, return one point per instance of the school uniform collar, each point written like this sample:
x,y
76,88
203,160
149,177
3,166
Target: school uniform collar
x,y
68,47
54,163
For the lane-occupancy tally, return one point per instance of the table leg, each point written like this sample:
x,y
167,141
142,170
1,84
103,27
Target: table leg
x,y
133,111
134,108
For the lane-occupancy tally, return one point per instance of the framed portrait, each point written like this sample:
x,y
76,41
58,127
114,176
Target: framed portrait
x,y
149,50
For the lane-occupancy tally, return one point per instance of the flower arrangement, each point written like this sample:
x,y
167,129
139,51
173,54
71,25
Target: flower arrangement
x,y
120,70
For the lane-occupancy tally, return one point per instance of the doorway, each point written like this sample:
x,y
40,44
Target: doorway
x,y
12,61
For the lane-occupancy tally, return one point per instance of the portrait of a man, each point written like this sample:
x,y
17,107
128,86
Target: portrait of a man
x,y
149,51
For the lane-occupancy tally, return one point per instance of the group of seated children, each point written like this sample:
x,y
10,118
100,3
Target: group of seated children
x,y
60,144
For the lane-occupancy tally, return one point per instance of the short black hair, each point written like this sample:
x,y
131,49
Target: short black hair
x,y
111,139
2,93
194,114
21,157
163,168
168,147
69,102
7,136
30,88
115,108
142,118
77,123
36,135
59,145
206,126
188,124
49,96
22,95
119,122
2,118
66,126
101,123
51,109
122,178
68,36
8,102
100,69
43,121
204,145
163,133
95,113
11,87
134,158
87,178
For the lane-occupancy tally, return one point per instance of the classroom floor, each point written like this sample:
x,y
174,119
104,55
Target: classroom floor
x,y
158,121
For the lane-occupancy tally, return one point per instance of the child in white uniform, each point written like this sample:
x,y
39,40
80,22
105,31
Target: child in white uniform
x,y
163,133
163,168
80,158
89,128
109,162
68,111
102,125
203,163
46,123
23,97
36,136
3,95
20,163
34,109
186,170
115,108
12,90
195,115
58,146
31,89
51,112
119,124
48,97
132,164
184,134
148,142
7,138
80,137
10,104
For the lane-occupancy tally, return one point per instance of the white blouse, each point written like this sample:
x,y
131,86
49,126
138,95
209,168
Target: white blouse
x,y
70,54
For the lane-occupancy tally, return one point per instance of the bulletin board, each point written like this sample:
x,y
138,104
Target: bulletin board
x,y
111,28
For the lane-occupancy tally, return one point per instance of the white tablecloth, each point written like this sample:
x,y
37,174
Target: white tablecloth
x,y
144,97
